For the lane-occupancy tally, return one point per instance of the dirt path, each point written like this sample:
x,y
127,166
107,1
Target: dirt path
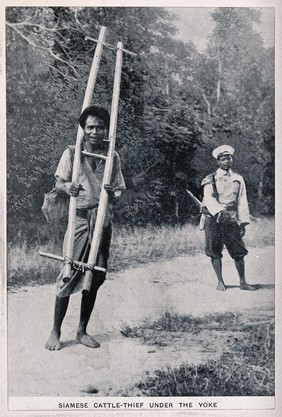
x,y
184,285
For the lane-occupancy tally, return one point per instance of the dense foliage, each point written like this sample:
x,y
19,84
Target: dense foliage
x,y
176,104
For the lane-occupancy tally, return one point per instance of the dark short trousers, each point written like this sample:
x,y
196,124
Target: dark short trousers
x,y
218,235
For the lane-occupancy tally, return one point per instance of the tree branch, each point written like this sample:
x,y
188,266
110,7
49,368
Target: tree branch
x,y
60,72
34,45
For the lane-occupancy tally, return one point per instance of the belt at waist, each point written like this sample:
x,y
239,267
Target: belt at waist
x,y
83,212
231,207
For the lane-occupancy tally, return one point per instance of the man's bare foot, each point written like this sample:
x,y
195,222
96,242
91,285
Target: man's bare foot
x,y
247,287
53,343
87,340
220,286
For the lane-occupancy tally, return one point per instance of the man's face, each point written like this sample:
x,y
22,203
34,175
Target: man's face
x,y
95,131
225,162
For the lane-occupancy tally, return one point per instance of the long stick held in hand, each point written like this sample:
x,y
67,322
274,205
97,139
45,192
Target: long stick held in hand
x,y
107,172
68,255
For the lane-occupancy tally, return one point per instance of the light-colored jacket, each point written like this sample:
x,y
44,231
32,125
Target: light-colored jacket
x,y
230,188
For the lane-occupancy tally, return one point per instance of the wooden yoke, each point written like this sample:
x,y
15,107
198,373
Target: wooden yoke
x,y
101,212
68,260
68,253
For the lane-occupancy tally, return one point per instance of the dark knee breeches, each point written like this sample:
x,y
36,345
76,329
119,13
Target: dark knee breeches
x,y
228,234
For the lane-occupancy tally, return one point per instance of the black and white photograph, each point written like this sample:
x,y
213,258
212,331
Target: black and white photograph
x,y
140,251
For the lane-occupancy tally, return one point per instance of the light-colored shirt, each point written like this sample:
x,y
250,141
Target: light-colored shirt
x,y
230,188
89,178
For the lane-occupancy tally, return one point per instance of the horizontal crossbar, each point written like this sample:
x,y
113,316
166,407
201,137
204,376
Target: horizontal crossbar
x,y
107,45
94,155
77,264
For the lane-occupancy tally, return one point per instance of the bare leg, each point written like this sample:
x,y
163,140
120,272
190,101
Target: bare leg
x,y
217,266
240,266
87,304
61,306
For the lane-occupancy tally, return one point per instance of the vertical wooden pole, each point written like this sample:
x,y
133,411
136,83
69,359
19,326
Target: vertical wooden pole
x,y
69,245
101,212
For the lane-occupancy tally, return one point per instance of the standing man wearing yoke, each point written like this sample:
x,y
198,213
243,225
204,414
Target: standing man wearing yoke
x,y
225,198
94,121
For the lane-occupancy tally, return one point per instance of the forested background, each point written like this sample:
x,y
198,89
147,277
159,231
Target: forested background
x,y
176,105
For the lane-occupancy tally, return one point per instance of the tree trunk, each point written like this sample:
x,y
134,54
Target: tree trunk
x,y
260,187
218,88
174,191
207,103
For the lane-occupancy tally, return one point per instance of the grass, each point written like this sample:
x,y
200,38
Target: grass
x,y
129,247
246,367
175,323
26,267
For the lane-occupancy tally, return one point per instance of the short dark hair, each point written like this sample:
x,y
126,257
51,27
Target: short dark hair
x,y
97,111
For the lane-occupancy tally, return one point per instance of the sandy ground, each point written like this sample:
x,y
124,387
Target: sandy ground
x,y
185,285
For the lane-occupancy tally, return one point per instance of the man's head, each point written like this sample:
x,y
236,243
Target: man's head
x,y
223,154
95,111
95,122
